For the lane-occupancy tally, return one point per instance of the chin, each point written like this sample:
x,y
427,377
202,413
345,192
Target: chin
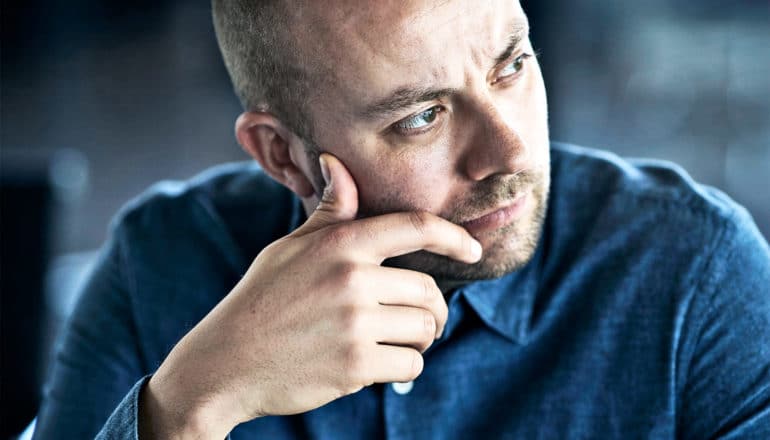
x,y
505,250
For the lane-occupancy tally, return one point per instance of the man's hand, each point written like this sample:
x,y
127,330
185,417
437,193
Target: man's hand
x,y
316,317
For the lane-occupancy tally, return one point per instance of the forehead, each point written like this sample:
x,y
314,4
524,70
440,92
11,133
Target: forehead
x,y
359,50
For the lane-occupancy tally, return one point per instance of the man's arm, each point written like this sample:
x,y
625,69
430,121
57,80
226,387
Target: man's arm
x,y
316,317
725,386
98,360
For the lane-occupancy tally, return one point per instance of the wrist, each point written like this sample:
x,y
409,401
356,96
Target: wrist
x,y
165,413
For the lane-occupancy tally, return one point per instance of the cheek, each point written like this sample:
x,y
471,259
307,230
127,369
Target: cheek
x,y
537,101
530,109
409,181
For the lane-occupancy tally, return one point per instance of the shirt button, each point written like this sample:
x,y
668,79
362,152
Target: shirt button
x,y
402,387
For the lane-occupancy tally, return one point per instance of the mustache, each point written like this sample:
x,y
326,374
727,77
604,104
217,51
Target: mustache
x,y
493,192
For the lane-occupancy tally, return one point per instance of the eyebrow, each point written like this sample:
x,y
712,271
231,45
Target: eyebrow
x,y
519,33
408,96
402,98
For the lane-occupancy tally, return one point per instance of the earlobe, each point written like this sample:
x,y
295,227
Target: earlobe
x,y
267,140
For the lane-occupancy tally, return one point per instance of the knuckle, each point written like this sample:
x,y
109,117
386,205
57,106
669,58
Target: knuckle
x,y
429,288
353,322
416,365
433,299
354,363
328,199
443,312
345,275
429,327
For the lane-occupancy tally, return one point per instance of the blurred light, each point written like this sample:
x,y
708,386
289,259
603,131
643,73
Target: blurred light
x,y
64,281
69,175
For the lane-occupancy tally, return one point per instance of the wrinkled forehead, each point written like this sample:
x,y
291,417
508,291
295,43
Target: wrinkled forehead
x,y
357,48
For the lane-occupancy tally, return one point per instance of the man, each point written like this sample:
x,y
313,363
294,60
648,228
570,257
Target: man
x,y
414,277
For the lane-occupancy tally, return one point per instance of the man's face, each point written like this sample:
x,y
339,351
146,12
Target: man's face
x,y
436,106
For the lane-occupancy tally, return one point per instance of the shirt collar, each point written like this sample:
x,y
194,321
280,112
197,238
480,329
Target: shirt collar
x,y
506,304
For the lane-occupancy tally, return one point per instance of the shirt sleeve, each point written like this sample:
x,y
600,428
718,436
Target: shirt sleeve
x,y
124,421
726,385
97,370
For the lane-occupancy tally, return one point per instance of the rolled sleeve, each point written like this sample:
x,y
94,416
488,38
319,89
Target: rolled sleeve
x,y
123,424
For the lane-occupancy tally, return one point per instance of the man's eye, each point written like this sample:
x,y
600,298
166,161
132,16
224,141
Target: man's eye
x,y
417,122
513,67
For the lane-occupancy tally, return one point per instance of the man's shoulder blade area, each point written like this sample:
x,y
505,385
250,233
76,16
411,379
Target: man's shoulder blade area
x,y
639,219
218,191
228,212
625,191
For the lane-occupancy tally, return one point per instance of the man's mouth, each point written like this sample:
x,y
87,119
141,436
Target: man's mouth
x,y
499,216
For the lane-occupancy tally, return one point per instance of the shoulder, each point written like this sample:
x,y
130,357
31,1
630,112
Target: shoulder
x,y
638,179
232,209
605,187
222,185
182,246
680,264
645,220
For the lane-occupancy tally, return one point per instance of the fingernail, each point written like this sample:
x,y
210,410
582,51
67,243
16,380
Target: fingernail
x,y
476,249
324,169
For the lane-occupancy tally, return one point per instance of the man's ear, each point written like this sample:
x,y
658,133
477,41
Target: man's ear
x,y
270,143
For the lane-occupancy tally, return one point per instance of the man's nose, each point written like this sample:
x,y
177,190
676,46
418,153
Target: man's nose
x,y
495,146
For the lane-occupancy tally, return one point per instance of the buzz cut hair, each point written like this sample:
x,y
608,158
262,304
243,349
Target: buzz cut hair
x,y
264,61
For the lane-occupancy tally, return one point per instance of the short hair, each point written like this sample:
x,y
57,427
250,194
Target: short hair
x,y
263,60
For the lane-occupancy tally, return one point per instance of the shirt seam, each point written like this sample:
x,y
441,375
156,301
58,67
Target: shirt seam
x,y
707,285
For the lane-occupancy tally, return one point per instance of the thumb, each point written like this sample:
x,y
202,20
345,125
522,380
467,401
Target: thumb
x,y
340,197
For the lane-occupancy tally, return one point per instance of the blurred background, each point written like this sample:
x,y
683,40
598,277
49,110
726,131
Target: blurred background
x,y
100,99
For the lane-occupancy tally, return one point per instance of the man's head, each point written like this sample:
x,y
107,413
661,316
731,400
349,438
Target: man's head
x,y
436,106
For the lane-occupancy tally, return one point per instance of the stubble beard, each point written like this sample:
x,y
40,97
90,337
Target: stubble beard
x,y
508,249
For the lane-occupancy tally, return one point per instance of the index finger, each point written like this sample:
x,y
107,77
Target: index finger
x,y
400,233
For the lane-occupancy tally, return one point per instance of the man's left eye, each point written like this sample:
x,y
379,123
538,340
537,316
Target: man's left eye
x,y
513,67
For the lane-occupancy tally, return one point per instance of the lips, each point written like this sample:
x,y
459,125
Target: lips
x,y
498,217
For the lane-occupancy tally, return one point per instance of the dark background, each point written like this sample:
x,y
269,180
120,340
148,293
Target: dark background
x,y
100,99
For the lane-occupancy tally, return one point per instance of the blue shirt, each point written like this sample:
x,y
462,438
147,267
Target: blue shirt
x,y
645,313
